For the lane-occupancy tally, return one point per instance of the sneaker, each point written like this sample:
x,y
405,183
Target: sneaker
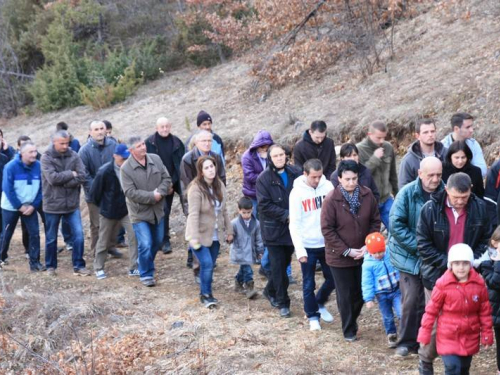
x,y
392,339
271,299
314,325
197,279
134,272
249,291
51,271
4,262
60,250
285,312
402,351
291,280
81,272
208,301
351,338
38,267
114,253
425,368
100,274
148,282
238,287
69,247
167,248
26,255
325,315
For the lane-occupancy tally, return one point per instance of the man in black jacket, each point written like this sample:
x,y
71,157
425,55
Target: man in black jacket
x,y
106,192
453,216
170,149
274,185
316,145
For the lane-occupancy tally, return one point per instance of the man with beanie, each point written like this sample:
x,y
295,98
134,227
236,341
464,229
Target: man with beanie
x,y
306,201
204,122
274,185
316,145
170,149
403,248
107,193
452,216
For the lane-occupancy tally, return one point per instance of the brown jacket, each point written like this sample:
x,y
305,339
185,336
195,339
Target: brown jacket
x,y
201,218
139,184
343,230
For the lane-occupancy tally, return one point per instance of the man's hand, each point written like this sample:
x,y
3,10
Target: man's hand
x,y
370,304
195,244
357,253
157,195
379,153
27,210
303,259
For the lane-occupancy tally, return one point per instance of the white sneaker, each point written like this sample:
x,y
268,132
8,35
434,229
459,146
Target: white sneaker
x,y
100,274
325,315
314,325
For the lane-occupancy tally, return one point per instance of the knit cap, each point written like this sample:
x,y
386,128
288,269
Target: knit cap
x,y
458,252
375,243
202,117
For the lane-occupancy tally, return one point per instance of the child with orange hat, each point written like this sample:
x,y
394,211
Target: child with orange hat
x,y
380,280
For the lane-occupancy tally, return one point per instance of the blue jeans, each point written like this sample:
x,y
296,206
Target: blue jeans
x,y
9,222
456,365
207,256
312,302
245,274
52,224
384,209
149,239
390,303
66,232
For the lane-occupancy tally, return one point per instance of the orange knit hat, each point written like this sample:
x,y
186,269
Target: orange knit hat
x,y
375,243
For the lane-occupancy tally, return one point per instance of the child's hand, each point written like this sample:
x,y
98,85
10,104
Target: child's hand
x,y
370,304
303,259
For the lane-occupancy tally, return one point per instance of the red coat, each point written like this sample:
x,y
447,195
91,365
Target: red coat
x,y
463,314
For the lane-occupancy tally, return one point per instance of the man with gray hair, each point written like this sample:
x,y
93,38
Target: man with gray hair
x,y
403,249
170,149
145,182
94,154
452,216
63,173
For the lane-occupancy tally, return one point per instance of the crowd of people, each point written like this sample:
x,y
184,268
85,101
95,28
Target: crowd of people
x,y
414,241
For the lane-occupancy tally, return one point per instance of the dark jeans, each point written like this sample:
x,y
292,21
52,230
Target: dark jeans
x,y
51,226
149,237
456,365
207,256
349,297
313,302
497,343
9,222
245,274
412,309
26,236
389,304
168,208
66,232
277,285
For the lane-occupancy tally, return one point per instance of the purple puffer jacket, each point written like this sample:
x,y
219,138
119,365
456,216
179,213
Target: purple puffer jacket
x,y
251,163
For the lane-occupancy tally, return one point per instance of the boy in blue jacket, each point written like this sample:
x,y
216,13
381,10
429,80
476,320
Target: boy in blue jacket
x,y
380,280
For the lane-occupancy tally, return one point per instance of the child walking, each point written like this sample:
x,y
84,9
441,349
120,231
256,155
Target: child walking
x,y
490,269
380,280
459,302
246,248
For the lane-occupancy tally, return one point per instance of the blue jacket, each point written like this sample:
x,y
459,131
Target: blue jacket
x,y
378,276
21,184
403,227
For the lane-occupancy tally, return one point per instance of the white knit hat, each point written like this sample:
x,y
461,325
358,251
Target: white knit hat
x,y
458,252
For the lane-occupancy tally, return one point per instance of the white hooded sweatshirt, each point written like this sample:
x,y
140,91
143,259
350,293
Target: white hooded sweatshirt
x,y
305,214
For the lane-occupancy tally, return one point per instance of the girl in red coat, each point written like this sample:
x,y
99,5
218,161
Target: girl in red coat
x,y
460,304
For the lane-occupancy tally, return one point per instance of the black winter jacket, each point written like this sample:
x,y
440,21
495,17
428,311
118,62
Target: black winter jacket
x,y
272,198
472,171
433,234
491,273
177,152
306,149
107,193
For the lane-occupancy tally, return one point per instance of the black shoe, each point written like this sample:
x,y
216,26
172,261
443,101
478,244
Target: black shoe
x,y
60,250
285,312
167,248
208,300
114,253
271,300
263,272
425,368
38,267
149,282
351,338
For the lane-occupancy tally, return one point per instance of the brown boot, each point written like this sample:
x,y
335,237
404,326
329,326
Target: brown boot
x,y
250,291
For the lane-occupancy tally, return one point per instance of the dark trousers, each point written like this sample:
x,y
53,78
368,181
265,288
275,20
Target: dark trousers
x,y
497,343
10,219
456,365
277,285
26,235
349,297
412,309
168,208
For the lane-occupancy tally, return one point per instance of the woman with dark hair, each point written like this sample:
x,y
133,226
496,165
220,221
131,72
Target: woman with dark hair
x,y
206,222
458,159
349,151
